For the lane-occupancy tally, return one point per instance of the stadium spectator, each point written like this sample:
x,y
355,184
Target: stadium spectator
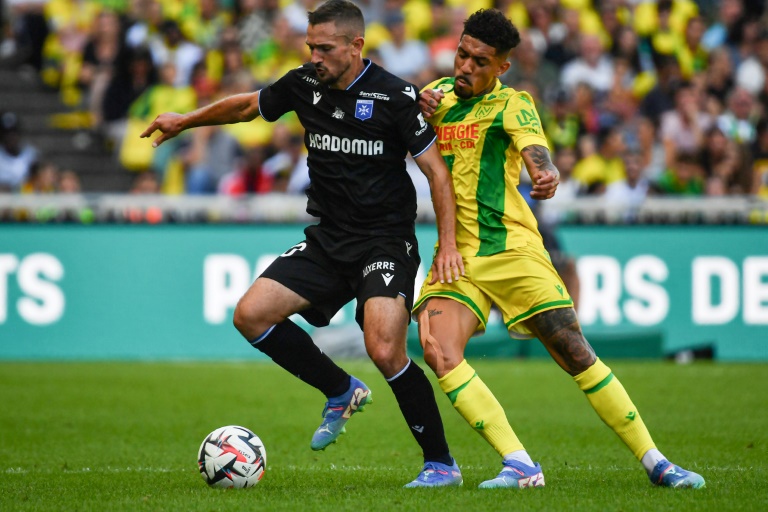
x,y
660,98
685,177
633,189
170,46
652,156
760,161
16,156
145,183
751,72
719,75
212,154
288,165
69,182
255,21
738,122
134,153
134,74
719,156
407,58
727,22
565,49
100,57
251,177
605,166
552,212
43,178
146,20
204,27
682,129
592,67
690,53
527,65
442,47
29,30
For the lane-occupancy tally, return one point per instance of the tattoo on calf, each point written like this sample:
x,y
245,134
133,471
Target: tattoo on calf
x,y
559,331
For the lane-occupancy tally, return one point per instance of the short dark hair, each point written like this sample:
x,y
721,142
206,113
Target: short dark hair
x,y
340,12
491,27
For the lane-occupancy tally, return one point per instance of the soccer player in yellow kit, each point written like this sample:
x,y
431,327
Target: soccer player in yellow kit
x,y
486,131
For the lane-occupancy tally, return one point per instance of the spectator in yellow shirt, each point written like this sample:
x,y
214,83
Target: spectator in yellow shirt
x,y
605,166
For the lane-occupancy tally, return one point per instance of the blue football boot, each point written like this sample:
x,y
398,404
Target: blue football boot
x,y
337,412
666,474
516,475
436,474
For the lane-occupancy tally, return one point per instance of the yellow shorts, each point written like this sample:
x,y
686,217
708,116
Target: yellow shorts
x,y
521,282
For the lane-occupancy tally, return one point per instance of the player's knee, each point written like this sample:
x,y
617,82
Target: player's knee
x,y
241,317
389,358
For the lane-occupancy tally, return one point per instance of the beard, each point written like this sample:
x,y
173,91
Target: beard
x,y
462,89
328,78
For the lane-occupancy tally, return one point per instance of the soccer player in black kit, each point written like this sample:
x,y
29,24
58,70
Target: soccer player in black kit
x,y
360,121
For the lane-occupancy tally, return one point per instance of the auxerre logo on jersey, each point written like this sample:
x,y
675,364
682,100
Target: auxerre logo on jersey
x,y
364,147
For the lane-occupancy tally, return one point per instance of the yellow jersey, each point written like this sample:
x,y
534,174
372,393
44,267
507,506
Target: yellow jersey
x,y
480,140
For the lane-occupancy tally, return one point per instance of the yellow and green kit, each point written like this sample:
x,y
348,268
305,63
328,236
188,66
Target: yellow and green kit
x,y
481,140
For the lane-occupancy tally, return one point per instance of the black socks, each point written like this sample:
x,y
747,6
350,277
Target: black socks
x,y
417,402
293,349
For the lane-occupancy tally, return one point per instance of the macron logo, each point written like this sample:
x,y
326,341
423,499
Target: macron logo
x,y
387,278
317,97
410,92
418,428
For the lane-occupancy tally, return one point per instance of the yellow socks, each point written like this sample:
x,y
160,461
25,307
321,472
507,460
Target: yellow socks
x,y
612,403
475,402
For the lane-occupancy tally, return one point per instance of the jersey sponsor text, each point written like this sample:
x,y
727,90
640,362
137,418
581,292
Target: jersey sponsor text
x,y
327,142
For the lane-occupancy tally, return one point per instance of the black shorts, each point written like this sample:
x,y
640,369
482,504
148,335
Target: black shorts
x,y
331,267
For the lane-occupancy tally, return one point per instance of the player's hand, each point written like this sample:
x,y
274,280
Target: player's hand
x,y
447,265
544,183
169,124
429,100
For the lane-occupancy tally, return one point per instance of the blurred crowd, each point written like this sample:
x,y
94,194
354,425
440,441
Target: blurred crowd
x,y
637,97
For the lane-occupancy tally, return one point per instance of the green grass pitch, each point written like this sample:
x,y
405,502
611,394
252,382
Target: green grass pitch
x,y
124,436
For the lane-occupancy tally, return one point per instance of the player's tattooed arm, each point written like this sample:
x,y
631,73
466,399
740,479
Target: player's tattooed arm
x,y
544,175
559,332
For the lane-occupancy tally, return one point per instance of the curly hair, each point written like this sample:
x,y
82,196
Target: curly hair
x,y
491,27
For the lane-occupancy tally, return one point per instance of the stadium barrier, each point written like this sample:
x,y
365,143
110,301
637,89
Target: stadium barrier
x,y
124,288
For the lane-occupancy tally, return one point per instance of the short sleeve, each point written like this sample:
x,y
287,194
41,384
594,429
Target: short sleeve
x,y
522,122
417,134
277,99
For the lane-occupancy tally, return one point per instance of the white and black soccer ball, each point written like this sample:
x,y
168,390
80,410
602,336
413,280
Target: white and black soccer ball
x,y
232,456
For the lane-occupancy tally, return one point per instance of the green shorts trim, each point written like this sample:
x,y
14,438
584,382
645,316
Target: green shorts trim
x,y
458,297
537,309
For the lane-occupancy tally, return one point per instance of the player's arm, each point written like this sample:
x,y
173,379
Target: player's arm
x,y
233,109
544,175
447,264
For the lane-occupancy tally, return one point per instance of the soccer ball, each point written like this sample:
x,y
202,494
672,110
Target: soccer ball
x,y
232,456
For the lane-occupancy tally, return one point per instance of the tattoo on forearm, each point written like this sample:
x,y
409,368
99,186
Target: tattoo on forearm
x,y
434,312
559,331
540,156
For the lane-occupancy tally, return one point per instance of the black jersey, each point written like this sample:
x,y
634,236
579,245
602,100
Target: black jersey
x,y
357,140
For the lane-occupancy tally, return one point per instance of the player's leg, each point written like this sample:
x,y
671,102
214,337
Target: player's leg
x,y
445,327
385,326
560,333
295,283
261,316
